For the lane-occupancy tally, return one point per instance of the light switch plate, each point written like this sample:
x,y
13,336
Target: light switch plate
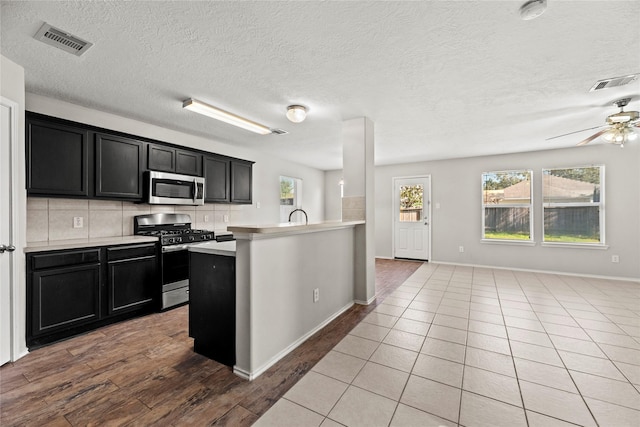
x,y
78,222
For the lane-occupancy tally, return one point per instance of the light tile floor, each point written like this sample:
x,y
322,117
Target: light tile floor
x,y
480,347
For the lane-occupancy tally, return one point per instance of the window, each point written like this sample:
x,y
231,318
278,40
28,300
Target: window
x,y
506,204
573,204
290,196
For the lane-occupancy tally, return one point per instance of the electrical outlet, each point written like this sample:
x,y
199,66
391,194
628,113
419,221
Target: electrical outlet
x,y
461,248
257,205
206,218
78,222
615,258
437,205
316,295
225,218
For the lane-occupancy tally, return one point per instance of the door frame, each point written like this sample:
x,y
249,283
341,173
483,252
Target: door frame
x,y
393,212
15,347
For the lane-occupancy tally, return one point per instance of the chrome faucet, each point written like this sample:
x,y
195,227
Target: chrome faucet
x,y
306,218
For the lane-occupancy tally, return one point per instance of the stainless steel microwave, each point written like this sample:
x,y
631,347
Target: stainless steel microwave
x,y
172,189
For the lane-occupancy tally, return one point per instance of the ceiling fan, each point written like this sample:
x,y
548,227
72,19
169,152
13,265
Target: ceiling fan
x,y
619,128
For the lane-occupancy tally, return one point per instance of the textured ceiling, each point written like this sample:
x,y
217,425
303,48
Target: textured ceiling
x,y
440,79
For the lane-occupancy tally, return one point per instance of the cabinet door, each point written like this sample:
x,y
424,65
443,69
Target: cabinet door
x,y
57,159
132,277
241,182
212,306
162,158
188,163
216,175
118,167
64,297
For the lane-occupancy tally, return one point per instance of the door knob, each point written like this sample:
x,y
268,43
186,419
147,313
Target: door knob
x,y
9,248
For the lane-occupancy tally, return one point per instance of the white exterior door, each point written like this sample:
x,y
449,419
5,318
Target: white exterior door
x,y
412,219
6,130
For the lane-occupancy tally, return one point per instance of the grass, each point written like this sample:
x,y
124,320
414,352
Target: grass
x,y
571,239
547,238
505,236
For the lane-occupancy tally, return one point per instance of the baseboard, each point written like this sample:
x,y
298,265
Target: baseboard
x,y
257,372
369,301
527,270
385,257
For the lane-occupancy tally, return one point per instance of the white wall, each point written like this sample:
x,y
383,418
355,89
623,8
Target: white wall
x,y
332,196
458,222
266,170
12,88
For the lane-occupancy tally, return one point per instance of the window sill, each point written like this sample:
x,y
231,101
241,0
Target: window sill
x,y
508,242
597,246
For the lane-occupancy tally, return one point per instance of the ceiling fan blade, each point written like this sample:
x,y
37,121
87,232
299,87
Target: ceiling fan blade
x,y
577,131
592,137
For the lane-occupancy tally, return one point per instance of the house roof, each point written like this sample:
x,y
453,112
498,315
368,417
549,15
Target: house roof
x,y
440,79
555,187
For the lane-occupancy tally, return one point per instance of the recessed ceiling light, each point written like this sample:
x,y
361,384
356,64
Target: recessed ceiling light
x,y
532,9
296,113
224,116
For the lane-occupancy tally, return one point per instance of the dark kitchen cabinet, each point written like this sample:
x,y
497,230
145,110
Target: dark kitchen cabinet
x,y
161,158
57,159
188,163
77,290
241,181
132,277
212,306
63,290
119,167
168,159
217,179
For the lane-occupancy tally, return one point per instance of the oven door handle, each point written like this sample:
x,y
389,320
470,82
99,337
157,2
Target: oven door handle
x,y
174,248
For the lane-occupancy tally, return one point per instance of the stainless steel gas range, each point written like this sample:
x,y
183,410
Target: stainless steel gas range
x,y
175,234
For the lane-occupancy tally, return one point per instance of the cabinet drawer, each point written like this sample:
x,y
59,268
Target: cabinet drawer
x,y
131,251
67,258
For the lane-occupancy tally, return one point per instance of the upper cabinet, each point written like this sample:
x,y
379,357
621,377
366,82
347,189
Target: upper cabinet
x,y
241,181
217,182
168,159
119,167
68,159
57,159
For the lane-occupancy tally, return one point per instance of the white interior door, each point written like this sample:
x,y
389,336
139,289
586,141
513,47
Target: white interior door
x,y
412,221
5,233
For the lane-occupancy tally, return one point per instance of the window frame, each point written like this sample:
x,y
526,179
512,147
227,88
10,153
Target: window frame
x,y
600,204
530,205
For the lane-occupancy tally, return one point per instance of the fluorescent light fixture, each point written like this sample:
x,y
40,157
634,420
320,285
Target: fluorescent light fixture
x,y
224,116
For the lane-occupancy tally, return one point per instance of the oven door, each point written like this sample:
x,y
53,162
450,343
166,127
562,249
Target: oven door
x,y
173,189
175,275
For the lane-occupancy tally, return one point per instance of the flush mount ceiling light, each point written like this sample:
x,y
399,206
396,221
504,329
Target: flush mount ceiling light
x,y
296,113
532,9
224,116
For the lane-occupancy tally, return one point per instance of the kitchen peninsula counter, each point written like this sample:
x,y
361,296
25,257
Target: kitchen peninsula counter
x,y
291,280
291,227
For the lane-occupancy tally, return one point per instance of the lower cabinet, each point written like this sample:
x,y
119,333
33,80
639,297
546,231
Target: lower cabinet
x,y
74,291
212,306
132,275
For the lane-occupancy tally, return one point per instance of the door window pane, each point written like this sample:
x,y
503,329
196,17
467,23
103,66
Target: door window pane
x,y
411,200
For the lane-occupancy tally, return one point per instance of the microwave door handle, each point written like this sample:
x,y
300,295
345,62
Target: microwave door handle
x,y
194,189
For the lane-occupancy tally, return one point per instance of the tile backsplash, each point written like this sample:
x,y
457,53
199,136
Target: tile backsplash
x,y
52,219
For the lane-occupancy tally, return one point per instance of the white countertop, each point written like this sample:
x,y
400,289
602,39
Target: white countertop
x,y
290,227
215,248
53,245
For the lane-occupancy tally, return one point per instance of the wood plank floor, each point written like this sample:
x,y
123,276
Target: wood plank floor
x,y
144,372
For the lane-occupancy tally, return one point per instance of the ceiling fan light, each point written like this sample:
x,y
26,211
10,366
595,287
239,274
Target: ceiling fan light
x,y
532,9
296,113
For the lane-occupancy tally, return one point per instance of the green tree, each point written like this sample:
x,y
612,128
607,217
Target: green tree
x,y
286,189
411,196
590,175
502,180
